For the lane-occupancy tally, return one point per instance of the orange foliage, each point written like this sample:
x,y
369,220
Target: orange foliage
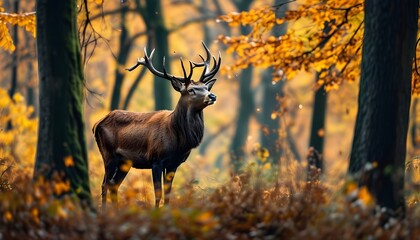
x,y
18,144
25,20
323,36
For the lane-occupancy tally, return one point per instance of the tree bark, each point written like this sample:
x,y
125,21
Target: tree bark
x,y
316,139
15,61
379,144
270,119
61,149
124,50
156,25
246,109
246,105
30,90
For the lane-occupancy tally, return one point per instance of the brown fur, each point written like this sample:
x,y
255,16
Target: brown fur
x,y
161,139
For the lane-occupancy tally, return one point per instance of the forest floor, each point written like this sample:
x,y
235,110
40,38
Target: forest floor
x,y
248,206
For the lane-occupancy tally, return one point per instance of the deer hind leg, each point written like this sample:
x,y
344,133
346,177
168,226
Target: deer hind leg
x,y
157,183
167,181
104,191
113,178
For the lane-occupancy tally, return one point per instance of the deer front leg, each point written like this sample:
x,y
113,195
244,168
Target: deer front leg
x,y
167,181
157,183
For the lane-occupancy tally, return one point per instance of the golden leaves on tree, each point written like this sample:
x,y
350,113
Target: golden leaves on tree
x,y
325,37
24,20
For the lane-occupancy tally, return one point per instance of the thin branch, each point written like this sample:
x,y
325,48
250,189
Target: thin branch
x,y
348,63
172,30
111,12
348,8
191,21
134,87
352,37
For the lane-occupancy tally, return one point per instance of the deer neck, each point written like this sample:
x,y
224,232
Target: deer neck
x,y
188,124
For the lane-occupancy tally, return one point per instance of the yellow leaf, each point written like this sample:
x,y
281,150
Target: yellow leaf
x,y
350,187
205,217
273,115
18,98
321,132
8,216
68,161
126,166
35,214
61,187
267,166
365,196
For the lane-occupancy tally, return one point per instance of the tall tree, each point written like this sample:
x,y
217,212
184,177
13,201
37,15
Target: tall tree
x,y
379,144
124,49
157,30
246,103
61,149
270,117
14,75
316,138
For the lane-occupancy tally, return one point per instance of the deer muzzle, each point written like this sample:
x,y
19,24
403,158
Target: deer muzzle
x,y
210,99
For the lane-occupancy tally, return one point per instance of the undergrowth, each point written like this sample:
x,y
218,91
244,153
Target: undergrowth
x,y
246,207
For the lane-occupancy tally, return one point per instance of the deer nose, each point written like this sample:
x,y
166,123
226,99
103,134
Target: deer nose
x,y
212,97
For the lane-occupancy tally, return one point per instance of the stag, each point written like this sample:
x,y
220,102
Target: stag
x,y
159,140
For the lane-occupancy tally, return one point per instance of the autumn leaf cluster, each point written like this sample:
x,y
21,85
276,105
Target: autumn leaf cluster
x,y
18,141
322,36
24,20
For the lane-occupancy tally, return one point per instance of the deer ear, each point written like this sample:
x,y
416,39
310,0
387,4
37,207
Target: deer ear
x,y
210,83
177,85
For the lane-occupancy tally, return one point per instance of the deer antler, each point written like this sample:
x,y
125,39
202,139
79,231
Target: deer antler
x,y
208,75
147,62
205,76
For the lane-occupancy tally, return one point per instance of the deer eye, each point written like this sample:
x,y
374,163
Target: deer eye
x,y
191,91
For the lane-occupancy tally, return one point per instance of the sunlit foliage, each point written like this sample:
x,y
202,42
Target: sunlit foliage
x,y
325,36
24,20
17,144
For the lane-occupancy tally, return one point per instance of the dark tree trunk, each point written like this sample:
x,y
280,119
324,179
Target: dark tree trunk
x,y
246,109
30,90
124,50
15,61
14,81
379,144
61,149
246,105
316,139
270,119
158,31
206,29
